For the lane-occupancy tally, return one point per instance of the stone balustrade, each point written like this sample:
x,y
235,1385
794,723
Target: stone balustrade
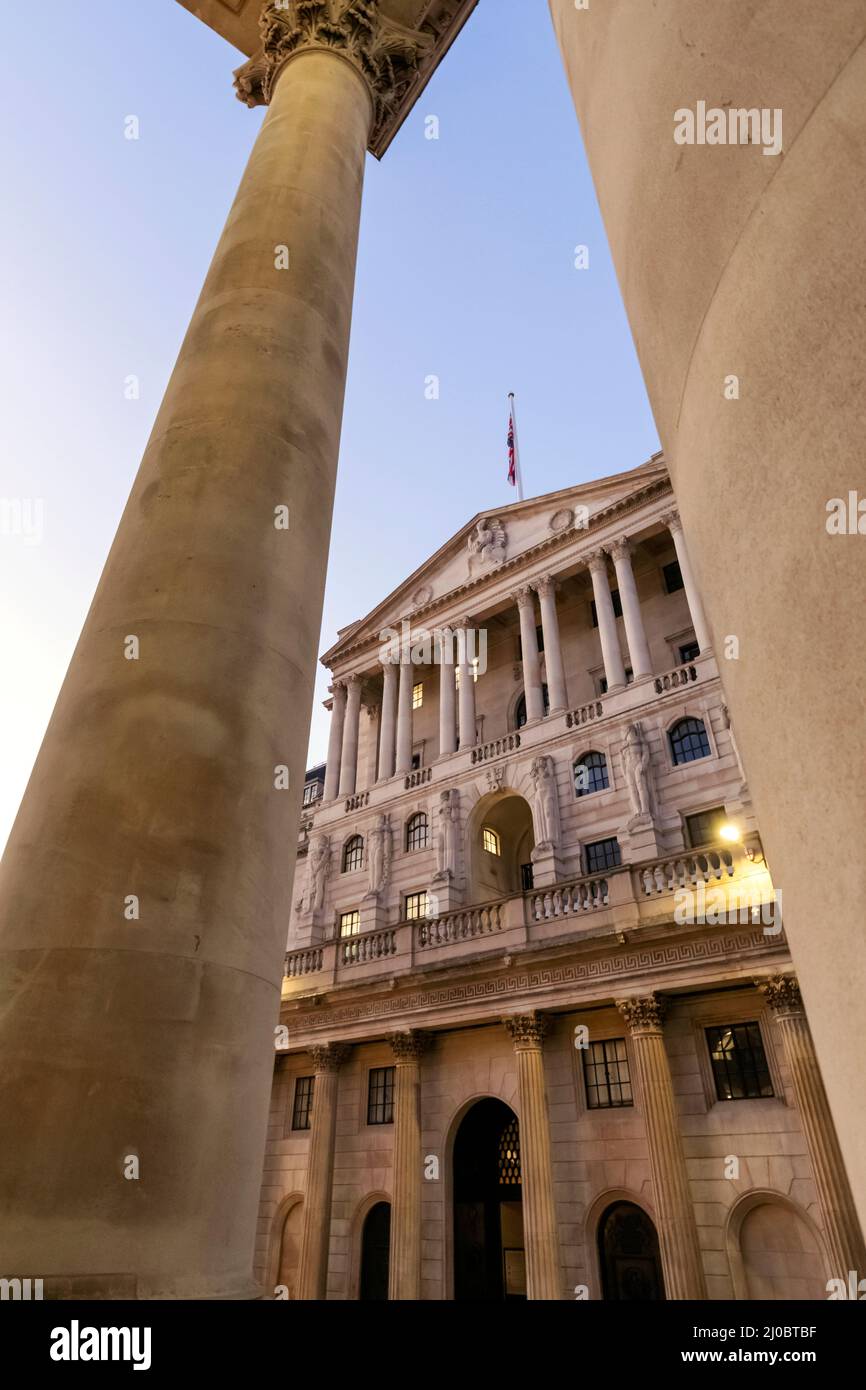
x,y
687,871
460,926
358,801
371,946
585,714
307,961
676,679
568,899
496,748
418,778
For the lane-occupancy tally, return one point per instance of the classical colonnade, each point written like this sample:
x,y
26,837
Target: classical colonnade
x,y
674,1212
457,715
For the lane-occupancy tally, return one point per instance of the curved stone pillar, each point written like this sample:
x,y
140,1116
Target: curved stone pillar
x,y
742,276
404,1270
540,1229
316,1229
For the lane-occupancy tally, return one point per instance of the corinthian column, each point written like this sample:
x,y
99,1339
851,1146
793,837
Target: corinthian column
x,y
351,734
614,669
447,696
675,1214
546,588
466,706
525,600
638,649
388,727
841,1227
404,1277
335,741
696,608
316,1232
404,717
145,881
540,1231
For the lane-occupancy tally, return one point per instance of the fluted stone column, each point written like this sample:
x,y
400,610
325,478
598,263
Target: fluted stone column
x,y
841,1227
447,698
468,724
693,597
675,1213
316,1230
335,741
525,600
404,718
556,687
388,726
351,735
540,1230
638,648
614,668
404,1271
145,881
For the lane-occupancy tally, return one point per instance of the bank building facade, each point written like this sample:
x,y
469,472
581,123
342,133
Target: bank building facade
x,y
540,1033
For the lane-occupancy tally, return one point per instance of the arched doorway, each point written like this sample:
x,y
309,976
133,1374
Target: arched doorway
x,y
489,1261
780,1254
501,841
628,1249
375,1245
290,1249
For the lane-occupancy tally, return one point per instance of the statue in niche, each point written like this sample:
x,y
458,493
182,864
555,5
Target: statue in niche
x,y
488,544
637,762
379,854
318,861
447,840
546,808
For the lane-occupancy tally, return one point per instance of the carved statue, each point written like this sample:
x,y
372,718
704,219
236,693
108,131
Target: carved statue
x,y
379,854
637,762
447,842
318,860
547,827
488,543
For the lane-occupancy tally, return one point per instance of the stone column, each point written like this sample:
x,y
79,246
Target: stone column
x,y
540,1230
335,741
638,648
404,1276
404,718
696,608
447,697
525,600
146,881
351,733
546,588
316,1230
467,719
388,726
841,1227
614,669
675,1213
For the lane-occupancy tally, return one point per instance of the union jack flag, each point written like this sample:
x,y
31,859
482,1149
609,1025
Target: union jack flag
x,y
512,460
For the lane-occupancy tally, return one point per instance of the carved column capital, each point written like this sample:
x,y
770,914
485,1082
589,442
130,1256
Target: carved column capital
x,y
596,562
523,597
386,55
409,1046
526,1030
643,1015
546,584
329,1057
782,993
620,550
672,521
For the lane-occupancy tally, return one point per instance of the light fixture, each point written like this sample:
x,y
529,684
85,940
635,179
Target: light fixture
x,y
729,833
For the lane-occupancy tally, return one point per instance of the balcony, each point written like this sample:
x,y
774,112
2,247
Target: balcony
x,y
716,886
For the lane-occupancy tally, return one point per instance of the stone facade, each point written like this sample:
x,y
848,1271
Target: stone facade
x,y
484,913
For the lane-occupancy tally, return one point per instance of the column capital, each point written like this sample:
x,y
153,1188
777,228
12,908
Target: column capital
x,y
672,520
596,561
620,549
782,993
546,584
329,1057
352,682
386,55
644,1015
526,1030
337,687
409,1046
523,596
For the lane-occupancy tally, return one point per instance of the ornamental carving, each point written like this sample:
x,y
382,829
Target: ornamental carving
x,y
637,762
318,864
386,54
409,1046
527,1030
545,804
561,520
782,993
330,1056
379,854
621,549
671,520
596,562
448,837
487,545
422,596
647,1012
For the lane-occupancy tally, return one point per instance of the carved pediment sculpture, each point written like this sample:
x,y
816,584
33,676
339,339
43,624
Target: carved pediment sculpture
x,y
487,545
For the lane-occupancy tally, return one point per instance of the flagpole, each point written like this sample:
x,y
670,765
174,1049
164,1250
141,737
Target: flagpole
x,y
516,448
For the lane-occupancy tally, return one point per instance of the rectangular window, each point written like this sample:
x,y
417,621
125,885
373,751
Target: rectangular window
x,y
418,695
672,576
601,855
617,607
689,651
350,923
703,827
416,761
303,1105
312,792
739,1062
606,1073
526,878
416,905
380,1096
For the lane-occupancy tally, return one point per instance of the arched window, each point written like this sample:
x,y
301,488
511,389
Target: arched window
x,y
520,708
353,854
490,840
689,741
417,831
590,774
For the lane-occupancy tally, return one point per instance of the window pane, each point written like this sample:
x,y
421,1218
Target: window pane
x,y
739,1062
380,1096
602,854
590,774
688,740
606,1074
303,1104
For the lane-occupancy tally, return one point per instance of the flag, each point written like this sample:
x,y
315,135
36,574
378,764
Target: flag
x,y
512,457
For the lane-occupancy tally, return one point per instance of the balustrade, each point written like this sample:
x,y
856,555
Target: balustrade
x,y
460,926
568,899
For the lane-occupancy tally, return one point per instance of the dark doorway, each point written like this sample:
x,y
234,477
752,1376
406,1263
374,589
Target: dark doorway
x,y
631,1270
489,1260
375,1243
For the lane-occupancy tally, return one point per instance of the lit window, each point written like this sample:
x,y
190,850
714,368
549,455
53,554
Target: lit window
x,y
703,828
380,1096
688,740
739,1062
417,831
490,840
303,1106
417,905
509,1155
590,774
418,695
601,855
350,923
353,854
606,1073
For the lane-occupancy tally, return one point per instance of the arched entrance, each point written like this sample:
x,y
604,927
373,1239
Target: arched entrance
x,y
290,1248
780,1257
501,841
628,1249
489,1261
375,1243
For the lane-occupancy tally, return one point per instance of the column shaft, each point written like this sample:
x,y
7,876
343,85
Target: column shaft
x,y
404,718
552,646
447,699
404,1273
467,720
388,727
614,669
540,1230
533,693
351,734
638,649
335,742
316,1230
696,607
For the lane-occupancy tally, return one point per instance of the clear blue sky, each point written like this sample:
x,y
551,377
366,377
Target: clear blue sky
x,y
466,270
